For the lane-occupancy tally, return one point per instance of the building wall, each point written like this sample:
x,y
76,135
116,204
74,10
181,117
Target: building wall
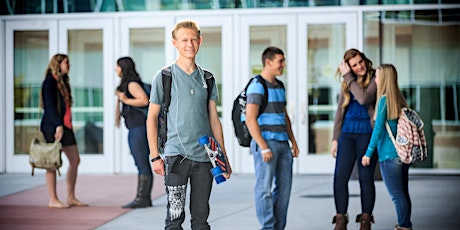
x,y
426,55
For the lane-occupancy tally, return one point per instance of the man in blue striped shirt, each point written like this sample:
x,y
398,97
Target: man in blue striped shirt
x,y
271,132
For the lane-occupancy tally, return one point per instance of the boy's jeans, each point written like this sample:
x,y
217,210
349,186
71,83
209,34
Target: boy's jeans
x,y
272,205
178,172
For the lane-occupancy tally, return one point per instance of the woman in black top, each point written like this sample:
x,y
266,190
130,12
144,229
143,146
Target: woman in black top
x,y
56,124
133,98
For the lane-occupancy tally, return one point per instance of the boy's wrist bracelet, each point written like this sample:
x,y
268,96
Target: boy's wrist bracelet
x,y
263,151
155,158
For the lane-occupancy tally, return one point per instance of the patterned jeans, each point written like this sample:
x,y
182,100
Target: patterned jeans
x,y
180,171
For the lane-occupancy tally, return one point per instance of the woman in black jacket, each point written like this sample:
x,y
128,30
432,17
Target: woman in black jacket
x,y
56,124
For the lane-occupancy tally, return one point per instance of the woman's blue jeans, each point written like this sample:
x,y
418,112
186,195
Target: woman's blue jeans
x,y
351,148
395,174
139,146
272,205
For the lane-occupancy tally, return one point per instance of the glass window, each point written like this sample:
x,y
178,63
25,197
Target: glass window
x,y
260,38
326,2
426,53
425,1
391,2
201,4
210,57
148,51
133,5
270,3
297,3
171,4
30,62
224,4
86,81
450,15
326,44
451,95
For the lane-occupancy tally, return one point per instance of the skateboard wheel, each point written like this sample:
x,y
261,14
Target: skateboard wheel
x,y
217,174
204,140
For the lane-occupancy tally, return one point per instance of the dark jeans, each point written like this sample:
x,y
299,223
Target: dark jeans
x,y
179,171
351,148
396,177
138,144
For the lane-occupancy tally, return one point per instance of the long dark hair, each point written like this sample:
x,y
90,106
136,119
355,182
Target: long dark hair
x,y
128,73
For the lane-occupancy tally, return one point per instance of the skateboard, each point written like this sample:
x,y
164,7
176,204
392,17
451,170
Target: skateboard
x,y
217,157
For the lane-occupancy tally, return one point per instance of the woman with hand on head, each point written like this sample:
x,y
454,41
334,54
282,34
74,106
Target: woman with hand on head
x,y
352,132
132,96
394,172
56,124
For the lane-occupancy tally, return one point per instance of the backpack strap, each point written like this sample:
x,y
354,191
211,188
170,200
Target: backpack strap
x,y
209,78
265,96
390,134
280,83
166,77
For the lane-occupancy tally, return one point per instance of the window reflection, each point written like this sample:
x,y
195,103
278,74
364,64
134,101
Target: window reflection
x,y
86,79
326,44
210,57
75,6
260,38
30,62
426,55
148,51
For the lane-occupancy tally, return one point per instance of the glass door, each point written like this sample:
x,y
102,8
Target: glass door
x,y
323,39
258,32
29,46
89,44
148,42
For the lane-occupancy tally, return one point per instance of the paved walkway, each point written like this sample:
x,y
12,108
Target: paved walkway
x,y
435,199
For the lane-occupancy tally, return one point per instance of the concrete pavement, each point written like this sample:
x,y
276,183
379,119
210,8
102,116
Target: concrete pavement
x,y
435,201
435,198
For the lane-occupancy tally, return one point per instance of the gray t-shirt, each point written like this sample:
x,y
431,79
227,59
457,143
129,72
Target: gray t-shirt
x,y
188,112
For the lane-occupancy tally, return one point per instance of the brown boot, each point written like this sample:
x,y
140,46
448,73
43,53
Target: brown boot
x,y
365,220
340,221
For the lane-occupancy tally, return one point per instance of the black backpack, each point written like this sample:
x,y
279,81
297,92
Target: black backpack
x,y
147,88
239,109
163,115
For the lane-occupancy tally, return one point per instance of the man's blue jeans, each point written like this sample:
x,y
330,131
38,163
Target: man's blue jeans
x,y
272,205
351,148
395,174
139,146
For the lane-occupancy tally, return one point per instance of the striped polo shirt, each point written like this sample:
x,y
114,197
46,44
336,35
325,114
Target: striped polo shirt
x,y
272,121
